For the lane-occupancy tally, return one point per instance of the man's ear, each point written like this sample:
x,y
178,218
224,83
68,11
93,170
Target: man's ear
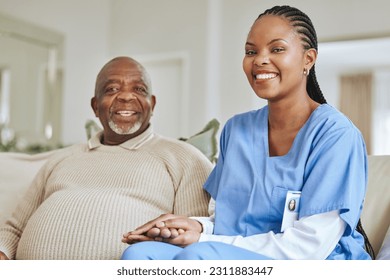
x,y
310,58
94,106
153,101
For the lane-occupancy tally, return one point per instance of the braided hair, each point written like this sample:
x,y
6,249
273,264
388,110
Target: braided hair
x,y
304,27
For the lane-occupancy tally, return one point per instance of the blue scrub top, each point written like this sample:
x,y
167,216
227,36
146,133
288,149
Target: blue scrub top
x,y
327,162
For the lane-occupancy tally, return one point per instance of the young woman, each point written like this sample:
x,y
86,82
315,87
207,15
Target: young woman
x,y
296,148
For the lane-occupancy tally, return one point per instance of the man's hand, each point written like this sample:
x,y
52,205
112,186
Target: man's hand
x,y
177,230
3,257
146,232
187,231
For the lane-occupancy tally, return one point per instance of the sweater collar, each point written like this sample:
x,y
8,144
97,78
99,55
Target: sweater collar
x,y
131,144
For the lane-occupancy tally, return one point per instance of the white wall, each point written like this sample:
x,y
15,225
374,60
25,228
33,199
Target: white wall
x,y
211,32
85,25
333,19
150,28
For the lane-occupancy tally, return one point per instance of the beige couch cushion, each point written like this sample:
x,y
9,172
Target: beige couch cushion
x,y
16,172
384,253
376,212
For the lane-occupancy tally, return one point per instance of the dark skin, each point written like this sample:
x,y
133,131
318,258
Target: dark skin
x,y
170,228
276,66
3,257
275,52
122,95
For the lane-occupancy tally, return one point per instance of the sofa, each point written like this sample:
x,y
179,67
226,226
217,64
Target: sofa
x,y
18,169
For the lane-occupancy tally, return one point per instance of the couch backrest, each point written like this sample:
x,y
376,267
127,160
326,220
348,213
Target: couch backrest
x,y
376,212
17,170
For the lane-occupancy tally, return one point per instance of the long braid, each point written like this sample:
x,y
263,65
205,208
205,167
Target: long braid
x,y
367,243
313,88
304,27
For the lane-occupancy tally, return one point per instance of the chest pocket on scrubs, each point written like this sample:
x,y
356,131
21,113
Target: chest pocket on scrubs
x,y
276,209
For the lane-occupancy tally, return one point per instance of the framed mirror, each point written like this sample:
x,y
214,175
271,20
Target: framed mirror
x,y
30,85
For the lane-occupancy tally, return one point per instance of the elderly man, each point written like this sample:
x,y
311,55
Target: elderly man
x,y
87,195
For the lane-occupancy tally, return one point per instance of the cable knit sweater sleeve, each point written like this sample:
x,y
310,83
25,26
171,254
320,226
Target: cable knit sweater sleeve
x,y
189,169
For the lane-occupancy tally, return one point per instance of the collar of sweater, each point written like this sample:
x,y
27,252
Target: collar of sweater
x,y
131,144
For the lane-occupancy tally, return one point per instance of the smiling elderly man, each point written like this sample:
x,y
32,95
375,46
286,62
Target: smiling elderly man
x,y
87,195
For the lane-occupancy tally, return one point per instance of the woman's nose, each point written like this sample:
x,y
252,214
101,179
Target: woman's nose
x,y
261,59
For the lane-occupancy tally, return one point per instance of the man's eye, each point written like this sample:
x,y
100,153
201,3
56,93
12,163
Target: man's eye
x,y
141,90
112,90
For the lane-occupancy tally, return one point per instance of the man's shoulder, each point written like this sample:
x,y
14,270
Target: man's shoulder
x,y
167,146
71,149
169,142
68,151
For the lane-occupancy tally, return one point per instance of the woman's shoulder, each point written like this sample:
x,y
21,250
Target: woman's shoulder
x,y
248,117
329,117
327,122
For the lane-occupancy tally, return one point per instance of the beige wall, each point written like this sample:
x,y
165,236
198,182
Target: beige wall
x,y
84,25
211,32
332,19
150,28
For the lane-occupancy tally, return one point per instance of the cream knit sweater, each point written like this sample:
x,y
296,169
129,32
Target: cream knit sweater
x,y
87,196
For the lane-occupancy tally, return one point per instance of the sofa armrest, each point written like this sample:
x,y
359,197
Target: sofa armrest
x,y
376,212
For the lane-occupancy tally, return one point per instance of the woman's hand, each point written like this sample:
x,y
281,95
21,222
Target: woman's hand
x,y
173,229
149,231
180,231
146,232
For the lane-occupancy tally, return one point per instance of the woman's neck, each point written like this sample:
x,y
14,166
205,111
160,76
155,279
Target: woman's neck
x,y
290,115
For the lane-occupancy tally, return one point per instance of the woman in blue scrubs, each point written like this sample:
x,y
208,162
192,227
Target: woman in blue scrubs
x,y
296,148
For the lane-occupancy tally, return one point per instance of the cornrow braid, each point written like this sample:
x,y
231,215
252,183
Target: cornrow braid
x,y
304,27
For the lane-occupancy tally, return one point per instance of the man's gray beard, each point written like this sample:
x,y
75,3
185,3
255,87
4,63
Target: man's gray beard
x,y
121,131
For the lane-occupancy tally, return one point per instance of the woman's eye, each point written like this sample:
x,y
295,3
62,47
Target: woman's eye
x,y
277,50
250,52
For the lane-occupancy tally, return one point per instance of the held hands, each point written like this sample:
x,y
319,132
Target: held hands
x,y
3,257
169,228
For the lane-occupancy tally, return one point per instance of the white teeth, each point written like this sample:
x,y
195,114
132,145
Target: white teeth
x,y
125,113
265,76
